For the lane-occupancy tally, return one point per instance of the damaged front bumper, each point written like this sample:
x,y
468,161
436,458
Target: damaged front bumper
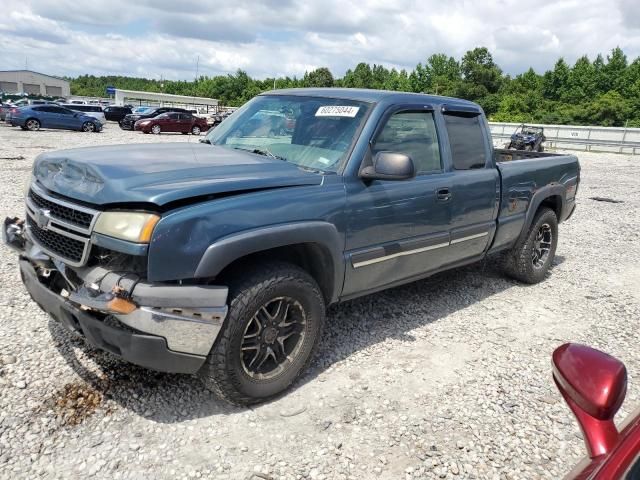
x,y
170,327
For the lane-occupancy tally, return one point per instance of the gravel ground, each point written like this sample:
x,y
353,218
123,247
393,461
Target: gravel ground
x,y
444,378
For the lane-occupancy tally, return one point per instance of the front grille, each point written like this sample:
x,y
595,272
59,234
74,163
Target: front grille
x,y
56,243
71,215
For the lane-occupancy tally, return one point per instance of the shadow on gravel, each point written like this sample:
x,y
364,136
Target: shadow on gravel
x,y
350,327
160,397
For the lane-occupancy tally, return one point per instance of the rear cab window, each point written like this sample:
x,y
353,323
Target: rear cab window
x,y
466,139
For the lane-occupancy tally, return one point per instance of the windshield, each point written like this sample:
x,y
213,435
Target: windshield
x,y
140,109
312,132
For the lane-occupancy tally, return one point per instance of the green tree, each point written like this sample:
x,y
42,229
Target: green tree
x,y
480,73
320,77
581,83
554,82
360,77
614,70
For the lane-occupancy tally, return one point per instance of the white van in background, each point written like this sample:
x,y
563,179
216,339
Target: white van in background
x,y
91,110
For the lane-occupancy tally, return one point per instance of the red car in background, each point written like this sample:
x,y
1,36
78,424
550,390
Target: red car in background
x,y
172,122
594,385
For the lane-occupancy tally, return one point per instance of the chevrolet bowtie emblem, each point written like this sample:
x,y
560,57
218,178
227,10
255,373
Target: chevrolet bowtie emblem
x,y
41,216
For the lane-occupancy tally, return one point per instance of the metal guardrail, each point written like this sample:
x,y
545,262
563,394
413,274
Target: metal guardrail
x,y
574,137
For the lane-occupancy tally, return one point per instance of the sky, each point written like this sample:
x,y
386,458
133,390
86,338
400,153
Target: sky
x,y
167,38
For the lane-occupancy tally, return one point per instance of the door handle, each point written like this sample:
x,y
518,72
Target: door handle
x,y
443,194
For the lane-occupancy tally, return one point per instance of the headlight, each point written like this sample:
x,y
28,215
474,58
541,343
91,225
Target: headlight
x,y
131,226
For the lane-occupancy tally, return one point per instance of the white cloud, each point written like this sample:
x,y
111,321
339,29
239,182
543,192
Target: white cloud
x,y
286,37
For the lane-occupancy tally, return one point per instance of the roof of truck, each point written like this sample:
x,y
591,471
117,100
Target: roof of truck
x,y
367,95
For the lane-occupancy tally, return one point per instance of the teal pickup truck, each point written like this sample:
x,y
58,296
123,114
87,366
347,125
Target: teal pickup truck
x,y
220,257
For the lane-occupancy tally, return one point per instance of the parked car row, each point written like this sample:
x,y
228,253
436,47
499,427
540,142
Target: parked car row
x,y
164,119
46,114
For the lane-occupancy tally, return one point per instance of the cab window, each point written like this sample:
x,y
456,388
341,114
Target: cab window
x,y
414,134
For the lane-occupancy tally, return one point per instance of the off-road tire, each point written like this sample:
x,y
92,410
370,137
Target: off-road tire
x,y
518,263
223,371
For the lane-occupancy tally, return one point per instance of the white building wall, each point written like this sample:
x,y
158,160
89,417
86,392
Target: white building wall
x,y
32,82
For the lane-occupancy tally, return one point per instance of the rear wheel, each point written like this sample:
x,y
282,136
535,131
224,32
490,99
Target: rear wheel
x,y
195,130
156,129
276,315
531,258
32,124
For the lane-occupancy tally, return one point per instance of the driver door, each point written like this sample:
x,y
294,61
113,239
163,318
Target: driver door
x,y
398,230
66,118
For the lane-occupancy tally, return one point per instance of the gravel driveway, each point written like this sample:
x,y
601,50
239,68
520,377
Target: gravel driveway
x,y
444,378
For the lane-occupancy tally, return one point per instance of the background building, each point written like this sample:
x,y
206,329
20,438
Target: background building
x,y
34,83
132,97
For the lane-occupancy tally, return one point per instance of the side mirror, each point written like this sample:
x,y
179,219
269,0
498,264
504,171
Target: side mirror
x,y
594,385
389,166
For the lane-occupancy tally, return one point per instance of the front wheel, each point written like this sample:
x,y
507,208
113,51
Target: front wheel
x,y
531,258
195,130
156,129
275,320
88,127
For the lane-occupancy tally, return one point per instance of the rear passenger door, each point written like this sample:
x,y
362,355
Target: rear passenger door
x,y
475,189
46,117
397,230
184,122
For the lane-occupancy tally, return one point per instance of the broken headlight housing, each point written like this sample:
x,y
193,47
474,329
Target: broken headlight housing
x,y
131,226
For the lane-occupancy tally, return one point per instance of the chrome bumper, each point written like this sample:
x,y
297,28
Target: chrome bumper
x,y
185,330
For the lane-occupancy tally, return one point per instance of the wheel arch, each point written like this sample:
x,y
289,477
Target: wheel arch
x,y
316,247
32,118
551,196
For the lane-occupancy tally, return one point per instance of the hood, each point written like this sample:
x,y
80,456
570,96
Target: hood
x,y
161,173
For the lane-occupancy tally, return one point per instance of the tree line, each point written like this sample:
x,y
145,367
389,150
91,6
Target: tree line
x,y
605,91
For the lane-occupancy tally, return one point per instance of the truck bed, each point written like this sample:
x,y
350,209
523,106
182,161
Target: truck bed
x,y
506,155
525,178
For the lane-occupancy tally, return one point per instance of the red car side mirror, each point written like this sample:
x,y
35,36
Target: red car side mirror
x,y
594,385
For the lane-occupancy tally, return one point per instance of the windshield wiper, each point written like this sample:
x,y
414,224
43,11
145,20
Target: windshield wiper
x,y
262,151
205,140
